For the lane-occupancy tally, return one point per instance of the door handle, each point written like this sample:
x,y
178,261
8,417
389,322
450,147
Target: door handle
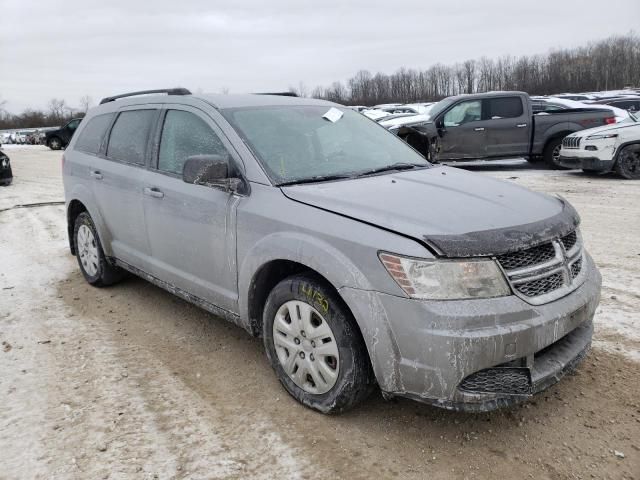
x,y
96,174
479,129
521,125
153,192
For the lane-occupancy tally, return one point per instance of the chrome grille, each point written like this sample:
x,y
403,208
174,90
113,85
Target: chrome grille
x,y
570,240
571,142
541,286
545,272
576,268
525,258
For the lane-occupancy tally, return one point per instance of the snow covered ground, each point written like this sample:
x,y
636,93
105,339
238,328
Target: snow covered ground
x,y
131,382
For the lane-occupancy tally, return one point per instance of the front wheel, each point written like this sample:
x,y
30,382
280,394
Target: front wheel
x,y
551,153
54,143
628,164
315,346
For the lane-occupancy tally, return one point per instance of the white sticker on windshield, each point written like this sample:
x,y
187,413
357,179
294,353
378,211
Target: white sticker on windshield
x,y
333,115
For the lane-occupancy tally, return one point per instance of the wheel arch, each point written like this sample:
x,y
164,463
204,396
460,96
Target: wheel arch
x,y
81,200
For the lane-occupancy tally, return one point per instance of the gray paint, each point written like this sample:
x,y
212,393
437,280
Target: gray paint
x,y
207,245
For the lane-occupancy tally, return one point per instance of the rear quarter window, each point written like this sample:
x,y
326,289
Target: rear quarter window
x,y
92,136
129,136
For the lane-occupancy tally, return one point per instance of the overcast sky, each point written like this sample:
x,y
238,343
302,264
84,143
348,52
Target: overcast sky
x,y
67,49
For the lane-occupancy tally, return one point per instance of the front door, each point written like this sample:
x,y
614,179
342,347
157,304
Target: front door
x,y
191,228
462,132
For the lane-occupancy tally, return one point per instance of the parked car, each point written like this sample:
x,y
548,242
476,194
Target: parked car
x,y
629,103
497,125
357,261
553,104
58,139
6,175
605,149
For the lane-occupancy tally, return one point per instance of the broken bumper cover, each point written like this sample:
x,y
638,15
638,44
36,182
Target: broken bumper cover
x,y
586,163
479,355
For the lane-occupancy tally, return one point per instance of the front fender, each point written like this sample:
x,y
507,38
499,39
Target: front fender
x,y
305,249
349,281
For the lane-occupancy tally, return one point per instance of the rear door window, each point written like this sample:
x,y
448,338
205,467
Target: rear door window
x,y
92,136
504,107
184,135
129,136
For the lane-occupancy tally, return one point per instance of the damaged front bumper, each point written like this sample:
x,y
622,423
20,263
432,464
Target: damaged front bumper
x,y
477,355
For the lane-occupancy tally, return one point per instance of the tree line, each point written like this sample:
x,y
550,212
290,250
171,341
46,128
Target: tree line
x,y
57,113
608,64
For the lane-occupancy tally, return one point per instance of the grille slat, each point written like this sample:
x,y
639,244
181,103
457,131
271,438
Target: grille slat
x,y
571,142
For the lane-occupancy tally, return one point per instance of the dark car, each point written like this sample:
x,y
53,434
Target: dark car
x,y
60,138
632,104
6,176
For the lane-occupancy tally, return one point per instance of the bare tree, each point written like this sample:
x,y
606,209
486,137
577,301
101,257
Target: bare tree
x,y
86,102
57,109
608,64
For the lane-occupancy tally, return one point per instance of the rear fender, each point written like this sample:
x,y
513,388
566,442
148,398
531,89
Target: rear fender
x,y
84,195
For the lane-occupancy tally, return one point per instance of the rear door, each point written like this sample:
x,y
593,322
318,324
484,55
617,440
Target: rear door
x,y
462,131
191,228
508,126
117,184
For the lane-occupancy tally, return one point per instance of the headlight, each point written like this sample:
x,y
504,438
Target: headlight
x,y
604,135
446,279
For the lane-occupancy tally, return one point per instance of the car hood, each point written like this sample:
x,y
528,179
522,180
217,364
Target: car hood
x,y
453,212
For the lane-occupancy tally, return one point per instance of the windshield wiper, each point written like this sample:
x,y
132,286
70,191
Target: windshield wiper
x,y
389,168
314,179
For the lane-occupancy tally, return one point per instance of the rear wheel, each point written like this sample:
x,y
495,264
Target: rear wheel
x,y
54,143
551,153
93,264
315,346
628,164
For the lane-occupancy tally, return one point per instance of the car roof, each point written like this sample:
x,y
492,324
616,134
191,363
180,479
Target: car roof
x,y
218,101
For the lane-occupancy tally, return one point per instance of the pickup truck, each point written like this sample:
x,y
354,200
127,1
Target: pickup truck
x,y
496,125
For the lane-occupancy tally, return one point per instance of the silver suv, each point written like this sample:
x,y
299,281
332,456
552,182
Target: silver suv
x,y
359,263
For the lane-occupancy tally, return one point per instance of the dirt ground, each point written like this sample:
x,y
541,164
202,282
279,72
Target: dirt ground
x,y
131,382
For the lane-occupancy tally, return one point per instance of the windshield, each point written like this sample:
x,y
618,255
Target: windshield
x,y
299,143
440,107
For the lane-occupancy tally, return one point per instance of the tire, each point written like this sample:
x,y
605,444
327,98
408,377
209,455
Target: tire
x,y
54,143
628,163
329,363
94,266
551,153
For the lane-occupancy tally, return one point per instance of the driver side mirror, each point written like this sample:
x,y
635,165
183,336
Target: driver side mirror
x,y
210,171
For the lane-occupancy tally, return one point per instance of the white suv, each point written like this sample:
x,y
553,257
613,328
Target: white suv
x,y
604,149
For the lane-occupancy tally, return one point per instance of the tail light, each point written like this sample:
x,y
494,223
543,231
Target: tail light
x,y
609,120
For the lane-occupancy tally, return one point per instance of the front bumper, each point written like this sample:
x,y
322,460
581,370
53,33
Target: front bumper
x,y
586,163
437,348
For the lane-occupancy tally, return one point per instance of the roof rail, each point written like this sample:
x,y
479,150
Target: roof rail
x,y
168,91
280,94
